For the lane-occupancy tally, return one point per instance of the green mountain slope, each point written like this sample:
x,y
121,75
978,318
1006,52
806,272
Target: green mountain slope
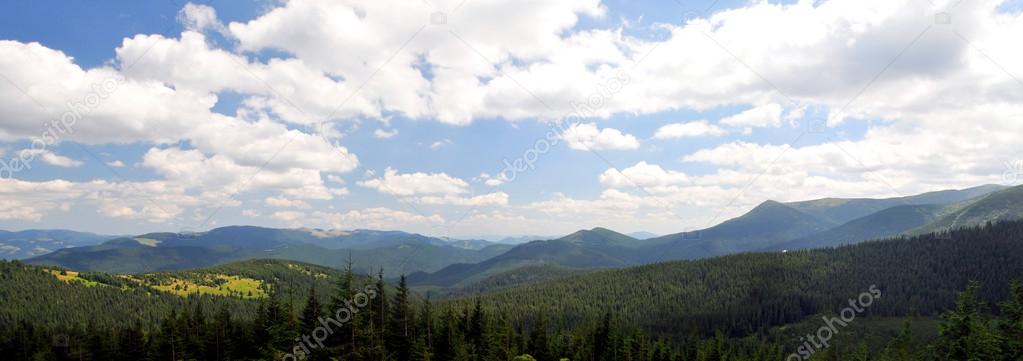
x,y
839,210
47,297
998,206
742,293
889,222
766,225
595,248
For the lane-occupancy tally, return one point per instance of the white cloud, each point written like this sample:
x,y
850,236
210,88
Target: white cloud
x,y
492,181
490,199
649,177
441,144
281,202
377,218
940,116
418,183
49,157
764,116
335,179
697,128
150,201
287,216
116,164
200,17
385,134
589,137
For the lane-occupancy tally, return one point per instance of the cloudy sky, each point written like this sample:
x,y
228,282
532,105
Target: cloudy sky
x,y
479,117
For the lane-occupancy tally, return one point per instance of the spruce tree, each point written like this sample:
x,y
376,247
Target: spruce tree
x,y
399,338
966,334
309,320
1011,325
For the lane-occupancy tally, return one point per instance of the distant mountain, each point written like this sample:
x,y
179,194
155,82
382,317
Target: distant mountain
x,y
840,211
595,248
889,222
768,224
521,239
394,252
817,223
267,238
1003,205
469,243
768,227
642,235
35,242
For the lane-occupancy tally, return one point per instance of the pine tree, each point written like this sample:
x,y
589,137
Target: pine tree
x,y
966,334
1011,326
345,337
399,343
901,348
310,320
223,333
602,347
539,342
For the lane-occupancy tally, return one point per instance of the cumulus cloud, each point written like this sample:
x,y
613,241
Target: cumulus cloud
x,y
377,218
588,137
948,90
200,17
281,202
697,128
643,175
384,133
764,116
441,144
418,183
491,199
49,157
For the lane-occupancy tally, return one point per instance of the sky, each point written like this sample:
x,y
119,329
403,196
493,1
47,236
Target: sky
x,y
465,118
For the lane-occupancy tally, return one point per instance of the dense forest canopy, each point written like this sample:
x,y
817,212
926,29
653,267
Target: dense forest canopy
x,y
742,307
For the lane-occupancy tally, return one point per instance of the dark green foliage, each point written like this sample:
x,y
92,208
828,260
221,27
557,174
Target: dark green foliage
x,y
746,293
746,301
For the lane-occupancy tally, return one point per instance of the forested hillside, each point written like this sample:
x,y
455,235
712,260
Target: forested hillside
x,y
47,297
737,307
743,293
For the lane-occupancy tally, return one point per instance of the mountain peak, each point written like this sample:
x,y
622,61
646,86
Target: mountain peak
x,y
769,204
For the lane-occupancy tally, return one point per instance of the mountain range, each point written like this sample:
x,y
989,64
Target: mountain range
x,y
393,251
453,265
771,226
35,242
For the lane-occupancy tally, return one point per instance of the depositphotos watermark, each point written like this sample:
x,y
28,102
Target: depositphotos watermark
x,y
1013,170
812,343
55,129
594,102
341,316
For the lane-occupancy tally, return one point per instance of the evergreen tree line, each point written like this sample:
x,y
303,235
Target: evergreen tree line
x,y
745,293
396,327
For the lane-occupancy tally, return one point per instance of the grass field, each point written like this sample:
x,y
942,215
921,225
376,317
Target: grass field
x,y
219,285
209,284
72,277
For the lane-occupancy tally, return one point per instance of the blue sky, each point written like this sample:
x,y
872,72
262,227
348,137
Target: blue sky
x,y
743,79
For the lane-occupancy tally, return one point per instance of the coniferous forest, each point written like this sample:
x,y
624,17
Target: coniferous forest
x,y
939,297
